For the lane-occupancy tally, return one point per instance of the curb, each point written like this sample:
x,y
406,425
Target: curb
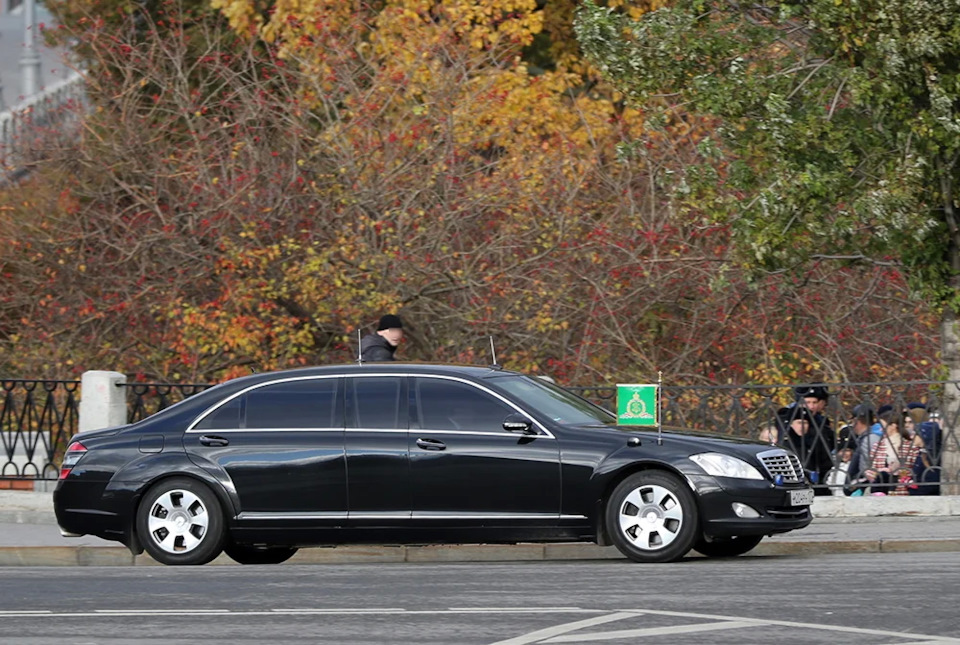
x,y
36,556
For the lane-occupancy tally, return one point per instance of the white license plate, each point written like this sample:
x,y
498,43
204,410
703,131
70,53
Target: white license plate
x,y
801,497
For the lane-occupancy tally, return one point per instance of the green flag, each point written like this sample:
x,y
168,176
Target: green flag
x,y
637,405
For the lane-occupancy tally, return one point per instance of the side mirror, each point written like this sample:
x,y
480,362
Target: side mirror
x,y
518,423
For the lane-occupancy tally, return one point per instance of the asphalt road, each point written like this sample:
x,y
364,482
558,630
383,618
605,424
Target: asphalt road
x,y
859,599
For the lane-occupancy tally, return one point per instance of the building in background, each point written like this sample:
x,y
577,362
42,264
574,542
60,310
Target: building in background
x,y
35,83
27,65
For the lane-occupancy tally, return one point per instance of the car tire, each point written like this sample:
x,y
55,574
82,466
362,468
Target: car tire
x,y
652,516
729,547
180,521
246,554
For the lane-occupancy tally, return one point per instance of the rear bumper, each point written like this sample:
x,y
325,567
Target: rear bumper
x,y
75,517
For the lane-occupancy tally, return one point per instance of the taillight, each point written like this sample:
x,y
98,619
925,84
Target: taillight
x,y
75,451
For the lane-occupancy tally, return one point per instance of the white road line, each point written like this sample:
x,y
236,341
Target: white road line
x,y
933,640
581,637
557,634
542,634
786,623
368,610
161,612
513,609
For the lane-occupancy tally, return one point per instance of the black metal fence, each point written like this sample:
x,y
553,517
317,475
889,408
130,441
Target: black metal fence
x,y
144,399
38,417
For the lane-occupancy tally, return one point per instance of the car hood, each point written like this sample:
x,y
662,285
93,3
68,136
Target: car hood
x,y
690,440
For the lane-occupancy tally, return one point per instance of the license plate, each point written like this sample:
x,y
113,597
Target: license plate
x,y
801,497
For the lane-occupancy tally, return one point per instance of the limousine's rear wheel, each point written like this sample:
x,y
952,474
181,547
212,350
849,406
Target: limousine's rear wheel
x,y
180,521
247,554
729,547
652,517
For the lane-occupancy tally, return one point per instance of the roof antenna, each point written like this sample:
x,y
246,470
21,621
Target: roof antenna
x,y
359,350
493,352
659,411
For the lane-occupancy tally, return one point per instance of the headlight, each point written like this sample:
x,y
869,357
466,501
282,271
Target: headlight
x,y
720,465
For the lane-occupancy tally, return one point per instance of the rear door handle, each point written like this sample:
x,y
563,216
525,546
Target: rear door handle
x,y
431,444
213,440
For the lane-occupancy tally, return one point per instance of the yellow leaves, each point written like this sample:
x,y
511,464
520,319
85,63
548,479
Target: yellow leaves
x,y
241,14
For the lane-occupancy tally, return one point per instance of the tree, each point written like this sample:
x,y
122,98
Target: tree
x,y
250,196
837,129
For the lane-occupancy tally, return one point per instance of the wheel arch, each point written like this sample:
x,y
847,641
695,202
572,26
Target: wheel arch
x,y
219,523
175,468
614,479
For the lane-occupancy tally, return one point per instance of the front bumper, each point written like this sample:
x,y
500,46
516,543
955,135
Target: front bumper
x,y
776,514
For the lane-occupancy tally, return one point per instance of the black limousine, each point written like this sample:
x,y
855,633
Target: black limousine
x,y
260,466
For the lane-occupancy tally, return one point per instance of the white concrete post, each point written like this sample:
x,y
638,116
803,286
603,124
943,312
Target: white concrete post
x,y
102,403
30,59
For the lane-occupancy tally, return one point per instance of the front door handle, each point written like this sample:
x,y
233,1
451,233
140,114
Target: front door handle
x,y
213,440
431,444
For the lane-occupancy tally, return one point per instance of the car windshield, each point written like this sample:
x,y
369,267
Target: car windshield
x,y
554,402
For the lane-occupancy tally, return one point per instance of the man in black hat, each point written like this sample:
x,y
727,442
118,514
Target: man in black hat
x,y
797,428
820,441
380,346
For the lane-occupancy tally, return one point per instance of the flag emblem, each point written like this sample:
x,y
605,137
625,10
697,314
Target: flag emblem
x,y
637,405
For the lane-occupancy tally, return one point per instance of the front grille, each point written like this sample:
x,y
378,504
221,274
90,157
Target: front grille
x,y
783,463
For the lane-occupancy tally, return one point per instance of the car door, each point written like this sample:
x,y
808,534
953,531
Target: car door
x,y
464,465
281,444
376,448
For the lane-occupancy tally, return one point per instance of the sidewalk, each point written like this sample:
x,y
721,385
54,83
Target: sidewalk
x,y
29,536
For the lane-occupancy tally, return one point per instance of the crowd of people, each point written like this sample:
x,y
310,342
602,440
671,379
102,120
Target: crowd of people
x,y
885,451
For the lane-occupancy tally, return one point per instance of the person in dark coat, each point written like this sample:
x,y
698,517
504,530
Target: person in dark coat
x,y
797,427
381,345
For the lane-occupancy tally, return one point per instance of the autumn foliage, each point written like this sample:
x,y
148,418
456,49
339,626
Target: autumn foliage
x,y
257,181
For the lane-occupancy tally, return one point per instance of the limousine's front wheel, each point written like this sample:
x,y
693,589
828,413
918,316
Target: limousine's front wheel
x,y
180,521
652,517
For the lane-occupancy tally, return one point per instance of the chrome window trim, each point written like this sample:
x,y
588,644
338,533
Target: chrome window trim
x,y
481,433
191,429
233,430
289,379
543,430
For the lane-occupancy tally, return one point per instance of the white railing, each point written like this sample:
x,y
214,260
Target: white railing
x,y
54,109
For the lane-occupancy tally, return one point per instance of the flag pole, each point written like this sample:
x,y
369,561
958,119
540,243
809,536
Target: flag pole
x,y
659,417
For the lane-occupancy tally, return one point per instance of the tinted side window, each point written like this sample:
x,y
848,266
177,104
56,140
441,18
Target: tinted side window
x,y
375,402
451,405
293,404
226,417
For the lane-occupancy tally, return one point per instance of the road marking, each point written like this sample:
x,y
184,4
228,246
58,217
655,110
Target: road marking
x,y
786,623
544,635
346,612
577,631
161,612
650,631
521,610
343,611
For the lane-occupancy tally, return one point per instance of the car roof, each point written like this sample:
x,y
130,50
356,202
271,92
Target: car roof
x,y
451,369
